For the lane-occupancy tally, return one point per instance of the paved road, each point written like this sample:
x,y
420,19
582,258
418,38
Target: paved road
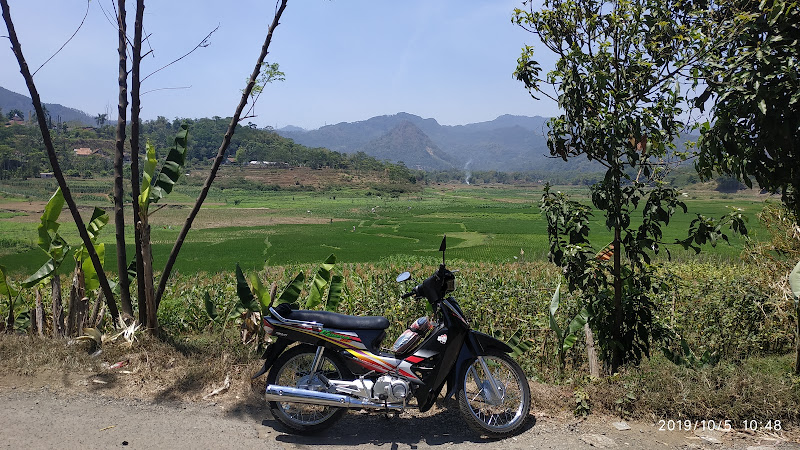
x,y
43,418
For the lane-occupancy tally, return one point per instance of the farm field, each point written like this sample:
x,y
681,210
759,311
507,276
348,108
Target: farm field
x,y
494,223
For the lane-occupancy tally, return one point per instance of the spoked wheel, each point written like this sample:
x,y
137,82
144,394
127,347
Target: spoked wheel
x,y
496,409
293,368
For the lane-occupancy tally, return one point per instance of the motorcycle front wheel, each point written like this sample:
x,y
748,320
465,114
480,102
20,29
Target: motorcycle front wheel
x,y
293,369
498,411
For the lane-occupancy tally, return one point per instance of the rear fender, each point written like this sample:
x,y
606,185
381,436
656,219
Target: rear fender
x,y
271,354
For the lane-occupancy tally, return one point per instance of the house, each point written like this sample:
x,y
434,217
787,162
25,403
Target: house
x,y
16,120
83,151
46,175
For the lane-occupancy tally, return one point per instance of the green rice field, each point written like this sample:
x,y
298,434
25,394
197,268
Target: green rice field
x,y
483,223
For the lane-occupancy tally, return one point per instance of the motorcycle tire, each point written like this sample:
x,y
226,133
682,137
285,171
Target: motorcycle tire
x,y
292,369
484,412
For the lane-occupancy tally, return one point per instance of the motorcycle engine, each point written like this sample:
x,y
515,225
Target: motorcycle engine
x,y
390,389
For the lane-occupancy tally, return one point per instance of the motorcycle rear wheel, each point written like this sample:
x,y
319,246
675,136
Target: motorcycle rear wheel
x,y
496,417
292,369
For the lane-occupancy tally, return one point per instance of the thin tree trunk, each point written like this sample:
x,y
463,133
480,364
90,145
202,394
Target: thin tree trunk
x,y
119,194
81,314
39,313
51,154
591,353
162,284
147,262
72,308
135,187
617,351
96,309
58,308
76,295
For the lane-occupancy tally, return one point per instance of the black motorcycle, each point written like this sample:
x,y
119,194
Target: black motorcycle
x,y
338,364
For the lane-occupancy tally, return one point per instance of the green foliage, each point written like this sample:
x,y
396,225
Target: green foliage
x,y
617,79
171,170
755,89
583,405
687,358
566,338
49,240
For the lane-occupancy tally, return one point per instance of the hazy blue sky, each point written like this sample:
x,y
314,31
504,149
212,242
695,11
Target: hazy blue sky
x,y
345,60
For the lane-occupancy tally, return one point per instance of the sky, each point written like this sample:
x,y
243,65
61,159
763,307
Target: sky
x,y
344,60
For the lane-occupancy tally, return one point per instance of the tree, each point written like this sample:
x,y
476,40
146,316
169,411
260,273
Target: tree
x,y
16,113
100,120
150,309
754,89
51,153
617,80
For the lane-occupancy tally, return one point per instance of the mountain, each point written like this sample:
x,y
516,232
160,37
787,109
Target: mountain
x,y
11,100
508,143
408,143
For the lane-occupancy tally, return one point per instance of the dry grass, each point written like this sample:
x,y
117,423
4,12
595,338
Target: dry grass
x,y
184,370
759,388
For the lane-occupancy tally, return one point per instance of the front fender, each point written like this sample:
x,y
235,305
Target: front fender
x,y
475,345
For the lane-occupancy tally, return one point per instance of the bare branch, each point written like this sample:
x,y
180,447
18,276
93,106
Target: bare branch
x,y
223,148
65,43
204,43
166,89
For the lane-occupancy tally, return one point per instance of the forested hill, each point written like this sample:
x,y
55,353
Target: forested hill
x,y
22,153
10,101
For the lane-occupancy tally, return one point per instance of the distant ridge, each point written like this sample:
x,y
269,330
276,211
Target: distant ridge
x,y
406,142
507,143
11,100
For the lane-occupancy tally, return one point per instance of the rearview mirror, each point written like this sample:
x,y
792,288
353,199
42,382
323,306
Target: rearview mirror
x,y
403,277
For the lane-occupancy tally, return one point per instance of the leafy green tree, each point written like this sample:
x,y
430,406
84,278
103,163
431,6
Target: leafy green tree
x,y
617,80
753,84
16,112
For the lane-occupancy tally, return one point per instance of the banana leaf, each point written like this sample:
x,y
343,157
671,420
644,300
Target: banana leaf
x,y
574,328
261,292
335,293
292,291
5,288
246,299
519,343
147,177
553,308
172,168
211,309
45,271
321,280
49,222
90,277
99,220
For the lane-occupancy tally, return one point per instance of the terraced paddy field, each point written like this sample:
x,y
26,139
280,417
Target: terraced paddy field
x,y
483,223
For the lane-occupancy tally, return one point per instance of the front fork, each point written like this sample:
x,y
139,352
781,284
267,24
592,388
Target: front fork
x,y
493,395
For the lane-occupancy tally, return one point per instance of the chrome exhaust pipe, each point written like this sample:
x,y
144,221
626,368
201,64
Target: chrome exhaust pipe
x,y
275,393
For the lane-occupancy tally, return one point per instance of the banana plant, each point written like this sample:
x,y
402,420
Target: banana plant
x,y
49,240
154,188
256,298
8,291
565,338
687,358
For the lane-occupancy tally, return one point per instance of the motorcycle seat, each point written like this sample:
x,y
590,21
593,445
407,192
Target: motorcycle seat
x,y
340,321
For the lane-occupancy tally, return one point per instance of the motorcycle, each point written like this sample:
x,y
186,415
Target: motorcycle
x,y
338,365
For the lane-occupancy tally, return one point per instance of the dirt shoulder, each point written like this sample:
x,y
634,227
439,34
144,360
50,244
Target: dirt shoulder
x,y
66,410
